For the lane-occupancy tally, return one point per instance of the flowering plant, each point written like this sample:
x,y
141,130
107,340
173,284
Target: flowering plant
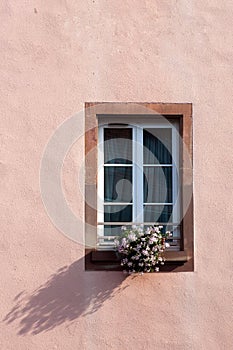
x,y
142,249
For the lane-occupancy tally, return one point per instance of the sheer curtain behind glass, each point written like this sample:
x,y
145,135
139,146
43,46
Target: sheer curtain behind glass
x,y
117,178
157,160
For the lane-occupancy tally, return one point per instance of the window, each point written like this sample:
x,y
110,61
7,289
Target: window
x,y
137,176
138,171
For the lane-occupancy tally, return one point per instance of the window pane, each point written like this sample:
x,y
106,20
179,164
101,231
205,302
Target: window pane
x,y
157,146
118,184
112,230
157,213
157,184
118,146
115,213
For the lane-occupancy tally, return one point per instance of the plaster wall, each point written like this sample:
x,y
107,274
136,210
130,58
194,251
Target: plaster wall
x,y
55,55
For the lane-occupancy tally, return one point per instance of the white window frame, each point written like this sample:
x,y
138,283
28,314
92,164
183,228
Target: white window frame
x,y
137,124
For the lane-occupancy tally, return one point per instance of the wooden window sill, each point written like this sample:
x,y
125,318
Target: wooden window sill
x,y
109,261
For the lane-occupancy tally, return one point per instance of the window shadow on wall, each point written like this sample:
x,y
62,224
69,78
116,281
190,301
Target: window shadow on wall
x,y
68,294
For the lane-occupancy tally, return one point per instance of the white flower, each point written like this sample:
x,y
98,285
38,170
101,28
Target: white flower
x,y
123,228
155,235
153,239
157,269
169,233
130,263
134,227
145,252
167,245
132,237
124,242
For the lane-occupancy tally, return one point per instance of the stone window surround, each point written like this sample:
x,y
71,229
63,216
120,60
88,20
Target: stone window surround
x,y
182,260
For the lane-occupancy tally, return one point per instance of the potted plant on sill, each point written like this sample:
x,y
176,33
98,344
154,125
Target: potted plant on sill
x,y
141,249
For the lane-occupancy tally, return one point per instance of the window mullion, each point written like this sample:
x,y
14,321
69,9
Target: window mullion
x,y
138,174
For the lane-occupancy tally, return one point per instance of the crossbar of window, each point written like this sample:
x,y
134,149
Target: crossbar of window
x,y
138,224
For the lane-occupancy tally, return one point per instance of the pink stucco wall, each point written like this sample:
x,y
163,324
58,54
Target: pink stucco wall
x,y
55,55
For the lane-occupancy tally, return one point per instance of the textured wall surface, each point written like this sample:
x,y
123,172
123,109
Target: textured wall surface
x,y
55,55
